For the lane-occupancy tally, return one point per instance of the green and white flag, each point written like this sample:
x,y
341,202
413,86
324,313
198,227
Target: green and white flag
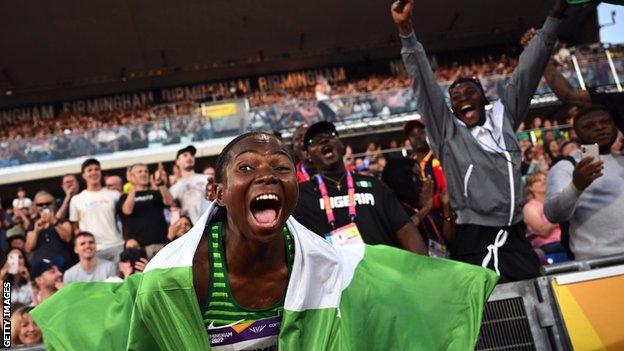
x,y
356,298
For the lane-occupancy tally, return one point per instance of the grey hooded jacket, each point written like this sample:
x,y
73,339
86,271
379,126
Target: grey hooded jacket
x,y
485,187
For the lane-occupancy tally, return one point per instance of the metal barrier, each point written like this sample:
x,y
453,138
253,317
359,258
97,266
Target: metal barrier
x,y
525,315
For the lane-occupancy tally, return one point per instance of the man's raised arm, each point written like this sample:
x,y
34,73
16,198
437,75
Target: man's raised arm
x,y
531,65
430,101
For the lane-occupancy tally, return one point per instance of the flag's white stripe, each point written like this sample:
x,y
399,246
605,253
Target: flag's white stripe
x,y
180,252
320,271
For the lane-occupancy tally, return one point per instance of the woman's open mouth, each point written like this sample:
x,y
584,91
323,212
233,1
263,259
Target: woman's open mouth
x,y
265,209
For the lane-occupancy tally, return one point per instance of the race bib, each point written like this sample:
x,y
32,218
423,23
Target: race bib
x,y
345,236
249,336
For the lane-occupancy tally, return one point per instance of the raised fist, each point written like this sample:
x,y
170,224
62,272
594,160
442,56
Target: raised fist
x,y
402,15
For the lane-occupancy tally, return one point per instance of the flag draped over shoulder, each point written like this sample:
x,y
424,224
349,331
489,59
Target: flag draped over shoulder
x,y
355,298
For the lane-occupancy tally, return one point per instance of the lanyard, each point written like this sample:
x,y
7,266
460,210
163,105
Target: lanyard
x,y
325,195
423,164
304,172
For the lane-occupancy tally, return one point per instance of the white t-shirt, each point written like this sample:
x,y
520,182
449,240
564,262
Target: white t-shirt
x,y
95,213
103,270
191,192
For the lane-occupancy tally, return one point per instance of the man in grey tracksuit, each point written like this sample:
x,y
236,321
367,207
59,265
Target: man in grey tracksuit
x,y
479,151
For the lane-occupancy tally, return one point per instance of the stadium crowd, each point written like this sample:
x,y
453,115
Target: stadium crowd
x,y
466,184
73,134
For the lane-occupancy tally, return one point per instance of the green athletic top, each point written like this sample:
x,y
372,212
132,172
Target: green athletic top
x,y
221,307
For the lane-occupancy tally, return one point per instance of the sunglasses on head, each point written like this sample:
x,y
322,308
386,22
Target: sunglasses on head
x,y
320,135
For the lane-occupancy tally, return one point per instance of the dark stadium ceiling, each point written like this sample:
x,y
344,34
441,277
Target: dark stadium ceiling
x,y
53,50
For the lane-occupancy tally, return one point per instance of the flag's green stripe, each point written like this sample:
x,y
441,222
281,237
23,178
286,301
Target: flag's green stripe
x,y
311,330
439,318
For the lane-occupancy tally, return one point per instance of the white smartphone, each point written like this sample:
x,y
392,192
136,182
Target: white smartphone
x,y
13,259
590,150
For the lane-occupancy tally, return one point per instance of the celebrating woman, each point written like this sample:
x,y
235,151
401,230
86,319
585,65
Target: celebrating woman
x,y
247,276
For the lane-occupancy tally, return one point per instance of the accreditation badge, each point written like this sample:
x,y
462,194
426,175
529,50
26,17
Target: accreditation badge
x,y
345,236
437,249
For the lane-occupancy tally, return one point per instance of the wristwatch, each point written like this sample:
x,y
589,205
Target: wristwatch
x,y
451,218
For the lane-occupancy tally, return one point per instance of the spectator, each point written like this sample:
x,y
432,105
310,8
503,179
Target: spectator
x,y
24,331
179,228
48,279
70,187
418,182
21,201
16,237
209,172
93,211
305,168
142,210
21,217
113,182
590,193
190,188
157,136
428,164
49,236
568,148
542,234
132,260
21,288
373,208
90,268
481,146
211,189
553,151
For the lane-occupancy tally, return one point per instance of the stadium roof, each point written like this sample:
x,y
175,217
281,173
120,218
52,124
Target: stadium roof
x,y
54,50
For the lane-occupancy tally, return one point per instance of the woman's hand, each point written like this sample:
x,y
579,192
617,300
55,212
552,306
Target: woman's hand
x,y
139,265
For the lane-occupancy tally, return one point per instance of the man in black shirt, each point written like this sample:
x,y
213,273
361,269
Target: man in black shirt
x,y
48,236
375,210
142,210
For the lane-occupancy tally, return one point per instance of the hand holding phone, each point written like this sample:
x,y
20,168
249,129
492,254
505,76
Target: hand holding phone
x,y
591,150
13,260
589,168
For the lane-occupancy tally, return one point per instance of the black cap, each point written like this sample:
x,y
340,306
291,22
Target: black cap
x,y
189,148
315,129
88,162
40,267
